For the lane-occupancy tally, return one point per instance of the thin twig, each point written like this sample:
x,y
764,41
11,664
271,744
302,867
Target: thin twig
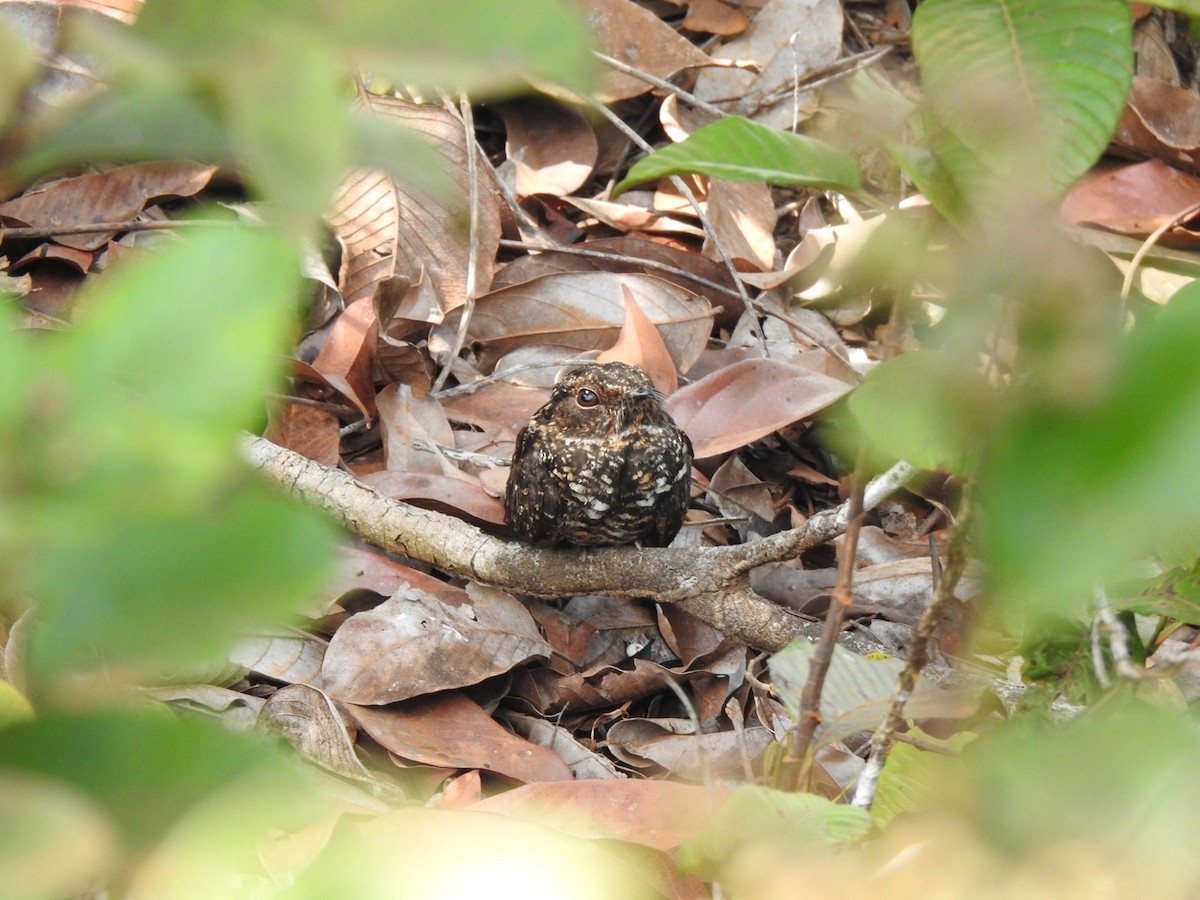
x,y
918,657
797,766
661,84
1148,245
49,231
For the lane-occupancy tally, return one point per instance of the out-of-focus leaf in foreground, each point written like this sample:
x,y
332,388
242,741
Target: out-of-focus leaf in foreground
x,y
142,537
1073,496
1024,93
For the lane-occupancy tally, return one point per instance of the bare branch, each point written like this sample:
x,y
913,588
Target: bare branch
x,y
710,582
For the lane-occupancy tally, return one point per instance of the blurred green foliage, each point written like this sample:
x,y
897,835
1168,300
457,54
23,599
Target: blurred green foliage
x,y
133,540
1073,412
124,512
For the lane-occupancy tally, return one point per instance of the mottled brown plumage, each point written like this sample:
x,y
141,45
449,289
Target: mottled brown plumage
x,y
601,463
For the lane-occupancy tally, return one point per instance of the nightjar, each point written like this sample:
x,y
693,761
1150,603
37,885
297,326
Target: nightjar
x,y
601,463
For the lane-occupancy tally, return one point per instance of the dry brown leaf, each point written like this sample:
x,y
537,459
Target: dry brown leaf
x,y
747,401
628,216
1161,121
584,763
788,39
117,195
640,39
672,744
389,229
457,495
600,687
309,721
1134,199
79,260
498,409
404,418
346,362
658,814
454,731
743,216
612,626
712,17
687,636
415,643
640,344
551,146
578,312
635,249
461,792
364,568
739,493
625,254
309,430
238,709
290,658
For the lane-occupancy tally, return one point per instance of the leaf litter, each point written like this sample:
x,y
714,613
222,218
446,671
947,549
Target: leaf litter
x,y
606,718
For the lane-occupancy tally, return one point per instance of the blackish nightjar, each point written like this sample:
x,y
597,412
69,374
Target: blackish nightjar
x,y
601,463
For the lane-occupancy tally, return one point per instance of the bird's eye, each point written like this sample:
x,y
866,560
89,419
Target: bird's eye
x,y
587,398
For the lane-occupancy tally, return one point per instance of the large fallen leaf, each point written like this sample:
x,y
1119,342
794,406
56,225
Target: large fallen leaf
x,y
390,228
551,146
578,312
630,254
117,195
415,643
787,40
457,495
1161,121
1135,199
314,727
638,38
742,215
346,362
746,401
454,731
641,345
583,762
674,745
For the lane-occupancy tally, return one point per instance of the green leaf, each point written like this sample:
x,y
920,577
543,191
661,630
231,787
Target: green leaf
x,y
857,691
754,817
740,150
39,818
172,352
153,589
1032,90
145,769
916,780
286,117
1114,781
1073,496
144,539
926,407
17,67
